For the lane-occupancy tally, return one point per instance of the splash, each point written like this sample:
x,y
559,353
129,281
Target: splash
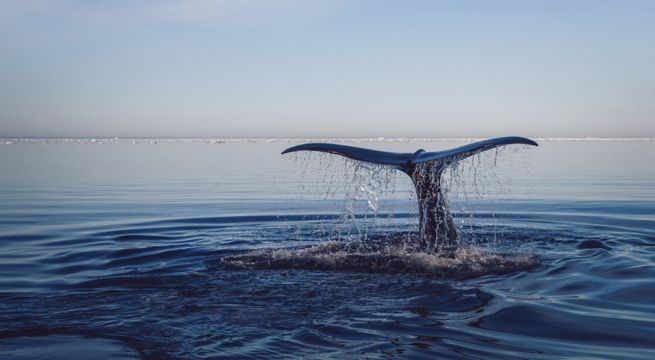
x,y
367,237
465,262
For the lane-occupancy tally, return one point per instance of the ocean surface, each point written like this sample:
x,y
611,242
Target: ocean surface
x,y
120,249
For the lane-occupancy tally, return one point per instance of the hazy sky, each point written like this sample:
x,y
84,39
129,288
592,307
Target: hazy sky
x,y
266,68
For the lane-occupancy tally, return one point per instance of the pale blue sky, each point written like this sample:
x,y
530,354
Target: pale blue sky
x,y
265,68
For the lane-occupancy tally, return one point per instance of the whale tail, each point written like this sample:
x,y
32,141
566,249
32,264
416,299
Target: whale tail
x,y
437,230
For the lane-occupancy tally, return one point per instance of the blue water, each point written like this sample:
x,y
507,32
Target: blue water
x,y
116,250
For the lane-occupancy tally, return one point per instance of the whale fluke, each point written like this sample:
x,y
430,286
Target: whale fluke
x,y
437,230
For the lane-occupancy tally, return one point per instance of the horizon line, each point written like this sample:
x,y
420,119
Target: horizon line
x,y
14,140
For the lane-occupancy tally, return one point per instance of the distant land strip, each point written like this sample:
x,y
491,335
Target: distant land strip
x,y
116,140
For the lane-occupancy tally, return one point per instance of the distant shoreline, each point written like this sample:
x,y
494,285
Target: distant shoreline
x,y
12,141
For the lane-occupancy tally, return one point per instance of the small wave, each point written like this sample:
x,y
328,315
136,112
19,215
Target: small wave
x,y
46,346
464,262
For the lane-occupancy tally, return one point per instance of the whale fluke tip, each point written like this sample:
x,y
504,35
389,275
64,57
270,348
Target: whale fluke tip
x,y
514,140
531,142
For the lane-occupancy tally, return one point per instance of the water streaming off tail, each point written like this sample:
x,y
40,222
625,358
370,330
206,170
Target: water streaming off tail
x,y
479,187
365,198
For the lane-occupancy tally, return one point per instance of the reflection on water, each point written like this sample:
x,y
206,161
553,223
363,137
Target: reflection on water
x,y
121,248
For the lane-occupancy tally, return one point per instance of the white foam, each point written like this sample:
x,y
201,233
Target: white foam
x,y
335,256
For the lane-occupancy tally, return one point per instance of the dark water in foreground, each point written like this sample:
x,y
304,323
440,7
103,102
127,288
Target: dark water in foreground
x,y
115,251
